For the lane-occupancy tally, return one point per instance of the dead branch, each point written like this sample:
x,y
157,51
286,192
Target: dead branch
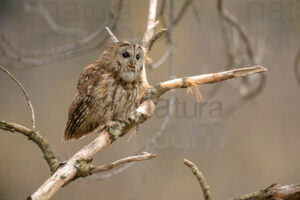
x,y
200,178
209,78
273,192
84,169
25,94
37,138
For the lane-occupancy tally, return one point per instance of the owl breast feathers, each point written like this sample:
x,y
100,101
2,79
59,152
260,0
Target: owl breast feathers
x,y
107,90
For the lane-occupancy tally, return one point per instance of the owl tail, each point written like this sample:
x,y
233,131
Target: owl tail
x,y
81,132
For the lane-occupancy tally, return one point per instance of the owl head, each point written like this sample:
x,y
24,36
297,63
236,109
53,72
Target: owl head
x,y
125,60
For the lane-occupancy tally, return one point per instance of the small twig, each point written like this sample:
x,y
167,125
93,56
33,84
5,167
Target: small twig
x,y
84,169
155,37
112,36
141,157
200,178
25,94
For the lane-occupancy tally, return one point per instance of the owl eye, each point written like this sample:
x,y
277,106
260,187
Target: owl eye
x,y
137,56
125,55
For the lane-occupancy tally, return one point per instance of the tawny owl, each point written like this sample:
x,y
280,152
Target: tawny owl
x,y
107,90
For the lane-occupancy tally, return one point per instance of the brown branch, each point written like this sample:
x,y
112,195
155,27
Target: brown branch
x,y
25,94
37,138
200,178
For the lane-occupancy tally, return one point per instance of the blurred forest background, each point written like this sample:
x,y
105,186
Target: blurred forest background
x,y
240,145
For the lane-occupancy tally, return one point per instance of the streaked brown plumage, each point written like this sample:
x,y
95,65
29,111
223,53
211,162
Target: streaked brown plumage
x,y
107,89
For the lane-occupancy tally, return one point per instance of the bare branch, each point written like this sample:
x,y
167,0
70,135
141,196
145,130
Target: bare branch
x,y
37,138
141,157
209,78
25,94
68,171
151,24
112,36
155,37
84,169
200,178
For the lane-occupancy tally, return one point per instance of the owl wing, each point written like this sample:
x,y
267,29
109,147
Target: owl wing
x,y
82,113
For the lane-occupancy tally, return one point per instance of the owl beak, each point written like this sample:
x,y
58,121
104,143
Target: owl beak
x,y
131,65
